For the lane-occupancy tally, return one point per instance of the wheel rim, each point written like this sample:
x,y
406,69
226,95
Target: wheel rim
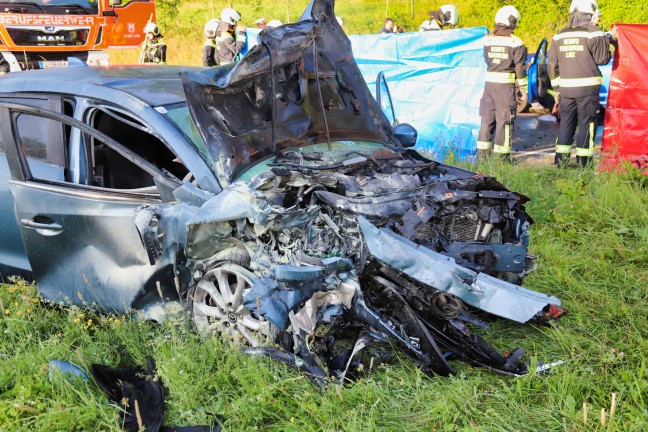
x,y
218,306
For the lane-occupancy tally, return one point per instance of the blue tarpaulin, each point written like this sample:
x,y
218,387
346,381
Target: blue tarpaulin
x,y
436,80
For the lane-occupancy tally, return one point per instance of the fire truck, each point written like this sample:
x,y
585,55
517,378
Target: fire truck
x,y
38,34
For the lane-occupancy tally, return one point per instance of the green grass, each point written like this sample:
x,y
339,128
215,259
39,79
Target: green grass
x,y
591,237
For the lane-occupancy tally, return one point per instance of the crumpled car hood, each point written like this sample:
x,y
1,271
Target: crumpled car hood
x,y
319,95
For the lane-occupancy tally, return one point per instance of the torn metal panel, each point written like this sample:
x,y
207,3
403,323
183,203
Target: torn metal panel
x,y
442,273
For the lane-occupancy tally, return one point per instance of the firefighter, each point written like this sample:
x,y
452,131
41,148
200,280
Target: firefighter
x,y
154,49
505,56
574,56
447,15
4,65
209,57
230,43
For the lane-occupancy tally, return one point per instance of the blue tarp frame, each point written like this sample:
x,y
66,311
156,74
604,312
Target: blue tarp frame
x,y
436,80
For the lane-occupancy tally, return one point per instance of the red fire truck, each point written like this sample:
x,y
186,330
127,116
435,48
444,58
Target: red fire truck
x,y
38,34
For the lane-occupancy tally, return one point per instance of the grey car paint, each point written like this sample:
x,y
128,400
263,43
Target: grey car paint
x,y
133,248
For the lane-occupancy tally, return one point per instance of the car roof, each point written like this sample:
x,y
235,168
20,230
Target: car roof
x,y
154,85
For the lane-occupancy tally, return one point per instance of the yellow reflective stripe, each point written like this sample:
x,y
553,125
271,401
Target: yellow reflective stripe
x,y
522,81
561,148
509,41
578,34
484,145
580,82
506,147
555,82
501,77
502,149
552,93
589,151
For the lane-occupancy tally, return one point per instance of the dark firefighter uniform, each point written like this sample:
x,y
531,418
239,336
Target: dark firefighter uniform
x,y
505,57
155,51
4,65
573,58
209,56
228,47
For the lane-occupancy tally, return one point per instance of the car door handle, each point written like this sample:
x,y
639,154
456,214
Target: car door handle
x,y
49,226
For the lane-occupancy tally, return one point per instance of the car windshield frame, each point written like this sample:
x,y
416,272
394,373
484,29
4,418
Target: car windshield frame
x,y
178,115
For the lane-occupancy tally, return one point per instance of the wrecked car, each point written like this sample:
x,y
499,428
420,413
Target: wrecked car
x,y
271,197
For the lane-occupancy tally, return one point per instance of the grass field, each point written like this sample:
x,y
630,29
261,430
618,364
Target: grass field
x,y
591,237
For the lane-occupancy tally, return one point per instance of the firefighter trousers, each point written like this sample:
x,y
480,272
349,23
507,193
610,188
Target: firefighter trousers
x,y
581,112
497,110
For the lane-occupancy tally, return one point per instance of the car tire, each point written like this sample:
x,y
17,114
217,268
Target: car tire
x,y
215,304
522,100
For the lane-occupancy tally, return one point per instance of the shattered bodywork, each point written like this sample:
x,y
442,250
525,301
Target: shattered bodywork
x,y
329,229
285,212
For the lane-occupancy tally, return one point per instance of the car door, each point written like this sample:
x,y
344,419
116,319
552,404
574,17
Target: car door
x,y
86,244
13,259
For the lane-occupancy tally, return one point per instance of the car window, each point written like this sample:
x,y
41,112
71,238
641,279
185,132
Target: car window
x,y
179,116
113,170
41,139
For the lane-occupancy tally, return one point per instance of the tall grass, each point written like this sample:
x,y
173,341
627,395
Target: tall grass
x,y
591,239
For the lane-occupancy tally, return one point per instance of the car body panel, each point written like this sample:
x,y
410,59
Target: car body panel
x,y
310,178
320,96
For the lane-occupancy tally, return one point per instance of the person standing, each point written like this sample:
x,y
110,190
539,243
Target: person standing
x,y
390,27
505,56
209,57
4,65
154,48
230,42
447,15
575,54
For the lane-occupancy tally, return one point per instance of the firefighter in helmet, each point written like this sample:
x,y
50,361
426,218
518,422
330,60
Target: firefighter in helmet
x,y
505,56
447,15
210,48
231,38
154,49
575,54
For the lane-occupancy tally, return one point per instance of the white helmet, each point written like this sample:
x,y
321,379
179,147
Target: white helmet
x,y
211,28
585,6
151,28
508,16
274,23
230,16
450,14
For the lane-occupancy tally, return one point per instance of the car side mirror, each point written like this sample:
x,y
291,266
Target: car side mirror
x,y
114,3
406,134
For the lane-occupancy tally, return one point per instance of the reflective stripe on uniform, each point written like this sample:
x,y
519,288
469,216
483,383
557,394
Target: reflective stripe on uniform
x,y
580,82
484,145
555,82
522,81
502,149
578,34
500,77
589,151
562,148
506,147
509,41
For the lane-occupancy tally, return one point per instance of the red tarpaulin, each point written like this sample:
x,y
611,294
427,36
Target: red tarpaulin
x,y
625,135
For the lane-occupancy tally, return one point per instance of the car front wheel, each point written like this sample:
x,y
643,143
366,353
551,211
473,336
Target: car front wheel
x,y
216,306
